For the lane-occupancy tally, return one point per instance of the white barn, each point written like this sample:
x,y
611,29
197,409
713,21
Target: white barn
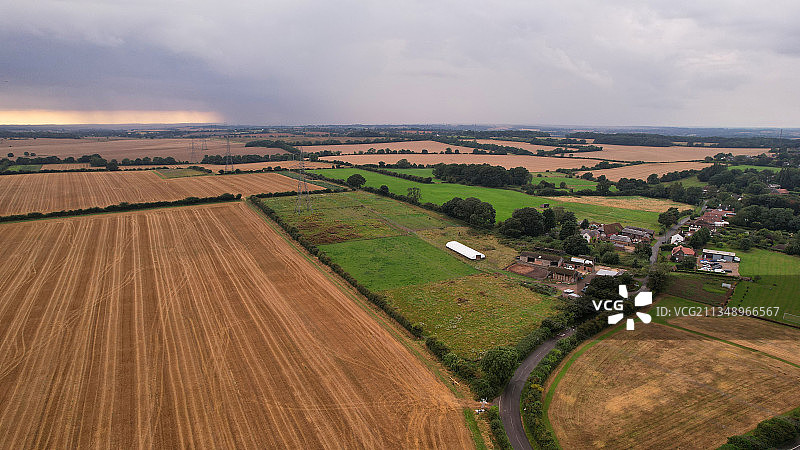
x,y
463,250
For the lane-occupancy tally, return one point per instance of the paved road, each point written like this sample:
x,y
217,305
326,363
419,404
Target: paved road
x,y
668,234
509,399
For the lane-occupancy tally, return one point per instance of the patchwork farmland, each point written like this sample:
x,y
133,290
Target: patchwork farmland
x,y
198,327
532,163
118,148
642,171
48,192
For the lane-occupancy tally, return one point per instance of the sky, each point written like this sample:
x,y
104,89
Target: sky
x,y
715,63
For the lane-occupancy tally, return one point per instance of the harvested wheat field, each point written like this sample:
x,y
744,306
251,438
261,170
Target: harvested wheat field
x,y
660,387
627,202
638,152
414,146
532,163
45,192
197,327
261,165
118,148
642,171
777,340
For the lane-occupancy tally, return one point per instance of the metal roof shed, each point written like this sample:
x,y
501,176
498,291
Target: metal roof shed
x,y
463,250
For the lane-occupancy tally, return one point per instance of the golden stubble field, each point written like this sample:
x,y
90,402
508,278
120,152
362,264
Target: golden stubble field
x,y
197,327
640,153
46,192
119,148
642,171
414,146
532,163
661,387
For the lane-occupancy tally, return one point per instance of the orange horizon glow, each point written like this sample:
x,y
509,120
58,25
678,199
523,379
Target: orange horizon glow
x,y
67,117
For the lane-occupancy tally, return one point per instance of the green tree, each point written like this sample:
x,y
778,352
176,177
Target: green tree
x,y
568,228
669,217
112,165
699,238
414,194
548,219
499,364
603,187
658,277
356,180
576,245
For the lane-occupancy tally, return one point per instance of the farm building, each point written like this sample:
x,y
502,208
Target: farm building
x,y
637,234
611,229
718,255
541,259
463,250
607,273
580,264
563,275
680,252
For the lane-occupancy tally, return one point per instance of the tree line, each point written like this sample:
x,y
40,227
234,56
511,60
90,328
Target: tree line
x,y
482,175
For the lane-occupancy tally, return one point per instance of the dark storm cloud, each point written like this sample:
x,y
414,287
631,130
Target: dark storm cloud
x,y
612,62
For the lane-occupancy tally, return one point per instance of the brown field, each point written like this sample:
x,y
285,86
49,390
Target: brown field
x,y
639,203
780,341
660,387
118,148
640,153
415,146
532,163
197,327
45,192
642,171
261,165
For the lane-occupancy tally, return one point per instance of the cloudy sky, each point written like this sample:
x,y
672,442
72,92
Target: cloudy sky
x,y
616,63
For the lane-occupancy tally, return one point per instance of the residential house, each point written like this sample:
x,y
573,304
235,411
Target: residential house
x,y
610,229
637,234
590,235
676,239
680,252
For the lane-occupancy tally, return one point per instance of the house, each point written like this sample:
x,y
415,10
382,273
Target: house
x,y
637,234
676,239
618,238
718,255
610,229
580,264
590,235
680,252
541,259
779,191
563,275
463,250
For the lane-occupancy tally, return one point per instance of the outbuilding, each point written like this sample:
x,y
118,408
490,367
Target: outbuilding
x,y
463,250
718,255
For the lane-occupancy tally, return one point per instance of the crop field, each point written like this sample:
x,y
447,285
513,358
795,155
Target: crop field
x,y
558,178
119,148
353,215
658,205
391,262
698,287
532,163
178,173
472,314
504,201
46,192
778,341
778,285
642,171
661,387
197,327
24,168
414,146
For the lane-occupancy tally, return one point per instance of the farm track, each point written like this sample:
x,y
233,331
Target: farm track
x,y
197,326
46,192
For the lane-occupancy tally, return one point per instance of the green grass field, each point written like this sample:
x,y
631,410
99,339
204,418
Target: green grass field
x,y
392,262
472,314
353,215
504,201
178,173
698,287
759,168
24,168
779,284
556,178
688,182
